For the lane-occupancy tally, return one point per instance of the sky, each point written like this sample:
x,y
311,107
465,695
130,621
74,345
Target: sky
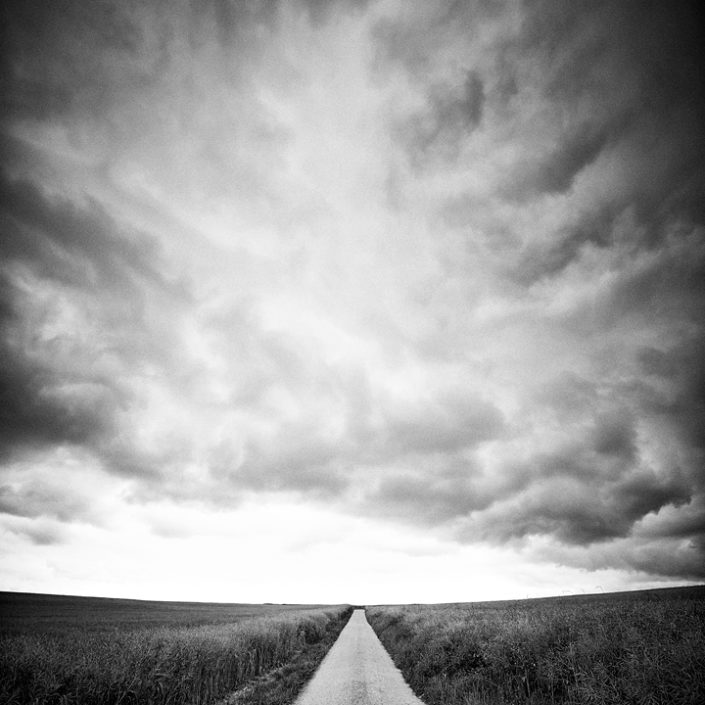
x,y
351,301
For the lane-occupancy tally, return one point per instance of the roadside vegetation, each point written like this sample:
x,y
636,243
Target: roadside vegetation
x,y
240,655
642,647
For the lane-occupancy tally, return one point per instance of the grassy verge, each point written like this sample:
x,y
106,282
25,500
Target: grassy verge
x,y
282,685
169,665
645,648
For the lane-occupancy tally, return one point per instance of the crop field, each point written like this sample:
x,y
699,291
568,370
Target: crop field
x,y
636,647
58,650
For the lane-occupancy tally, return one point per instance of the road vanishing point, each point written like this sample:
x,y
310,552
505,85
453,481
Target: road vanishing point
x,y
357,671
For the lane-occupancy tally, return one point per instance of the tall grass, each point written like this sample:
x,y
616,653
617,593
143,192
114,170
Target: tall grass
x,y
164,665
578,651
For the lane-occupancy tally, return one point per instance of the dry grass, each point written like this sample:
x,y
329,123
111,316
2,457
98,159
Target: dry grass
x,y
641,648
166,664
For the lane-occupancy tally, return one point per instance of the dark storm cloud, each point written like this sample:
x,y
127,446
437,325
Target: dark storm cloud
x,y
411,40
451,114
629,498
87,58
425,474
75,246
306,467
35,33
433,490
667,560
586,492
577,505
644,492
658,45
106,48
50,499
549,259
327,10
615,81
47,396
671,555
446,424
683,405
73,61
233,18
35,408
41,533
599,486
626,77
591,490
615,436
688,525
555,172
672,283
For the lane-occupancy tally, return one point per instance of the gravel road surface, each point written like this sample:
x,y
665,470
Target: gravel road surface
x,y
357,671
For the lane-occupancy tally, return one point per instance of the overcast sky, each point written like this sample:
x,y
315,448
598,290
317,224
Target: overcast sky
x,y
377,301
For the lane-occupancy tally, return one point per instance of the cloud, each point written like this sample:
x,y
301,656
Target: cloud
x,y
39,501
42,534
683,405
445,424
556,172
583,493
439,266
68,271
74,247
433,490
450,116
669,556
39,86
564,507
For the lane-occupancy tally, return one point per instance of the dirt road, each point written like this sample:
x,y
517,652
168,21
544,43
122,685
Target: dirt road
x,y
357,671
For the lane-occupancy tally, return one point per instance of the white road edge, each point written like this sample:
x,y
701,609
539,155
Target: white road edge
x,y
357,671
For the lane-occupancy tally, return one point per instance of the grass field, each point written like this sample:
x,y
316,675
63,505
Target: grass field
x,y
58,650
643,647
29,613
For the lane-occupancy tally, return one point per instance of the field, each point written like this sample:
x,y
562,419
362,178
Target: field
x,y
58,650
637,647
